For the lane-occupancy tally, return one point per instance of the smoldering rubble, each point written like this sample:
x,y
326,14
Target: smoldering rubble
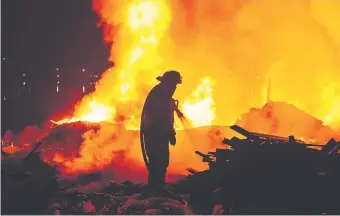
x,y
260,174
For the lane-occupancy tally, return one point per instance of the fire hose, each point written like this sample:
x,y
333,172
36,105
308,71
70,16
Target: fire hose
x,y
142,141
142,137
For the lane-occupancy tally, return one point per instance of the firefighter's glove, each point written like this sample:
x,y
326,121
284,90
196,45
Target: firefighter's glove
x,y
173,138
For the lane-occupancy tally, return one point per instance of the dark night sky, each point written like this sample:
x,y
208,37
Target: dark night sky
x,y
46,34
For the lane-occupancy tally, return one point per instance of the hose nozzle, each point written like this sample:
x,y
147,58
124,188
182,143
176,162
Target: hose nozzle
x,y
178,112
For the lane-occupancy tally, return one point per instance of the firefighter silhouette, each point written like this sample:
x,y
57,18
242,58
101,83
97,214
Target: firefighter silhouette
x,y
157,127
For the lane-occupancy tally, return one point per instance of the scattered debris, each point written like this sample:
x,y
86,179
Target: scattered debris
x,y
261,174
30,184
264,174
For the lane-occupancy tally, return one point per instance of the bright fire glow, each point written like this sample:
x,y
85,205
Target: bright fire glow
x,y
95,112
200,108
238,44
144,24
331,95
95,154
148,39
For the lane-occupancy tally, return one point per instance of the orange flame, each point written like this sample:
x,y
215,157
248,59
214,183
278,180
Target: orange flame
x,y
237,43
147,39
143,24
200,108
94,112
332,96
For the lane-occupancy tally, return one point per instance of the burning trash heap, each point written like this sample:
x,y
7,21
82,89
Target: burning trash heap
x,y
265,174
259,174
256,173
90,162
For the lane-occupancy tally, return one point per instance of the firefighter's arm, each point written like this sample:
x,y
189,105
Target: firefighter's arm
x,y
173,138
176,109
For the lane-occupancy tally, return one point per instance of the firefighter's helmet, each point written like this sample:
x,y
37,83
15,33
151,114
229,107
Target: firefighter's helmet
x,y
171,77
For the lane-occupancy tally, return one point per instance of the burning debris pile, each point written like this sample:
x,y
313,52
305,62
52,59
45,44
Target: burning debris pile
x,y
284,119
99,142
265,174
80,148
261,174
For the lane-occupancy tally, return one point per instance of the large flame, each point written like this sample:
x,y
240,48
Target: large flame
x,y
135,52
200,108
94,112
236,45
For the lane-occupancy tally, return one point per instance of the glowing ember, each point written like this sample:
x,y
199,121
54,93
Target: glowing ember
x,y
309,141
11,149
94,153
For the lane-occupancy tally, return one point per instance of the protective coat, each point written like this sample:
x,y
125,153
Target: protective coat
x,y
157,128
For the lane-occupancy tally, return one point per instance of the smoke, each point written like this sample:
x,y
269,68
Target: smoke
x,y
243,43
238,43
81,148
272,119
